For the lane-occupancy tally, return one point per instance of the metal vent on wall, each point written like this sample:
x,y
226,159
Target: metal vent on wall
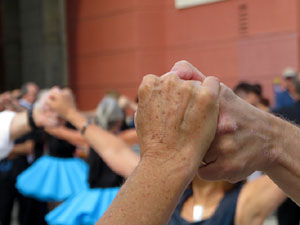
x,y
243,19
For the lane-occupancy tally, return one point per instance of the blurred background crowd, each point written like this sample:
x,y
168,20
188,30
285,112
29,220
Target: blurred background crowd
x,y
100,50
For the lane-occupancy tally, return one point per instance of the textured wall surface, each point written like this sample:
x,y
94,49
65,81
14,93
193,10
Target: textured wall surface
x,y
112,44
34,47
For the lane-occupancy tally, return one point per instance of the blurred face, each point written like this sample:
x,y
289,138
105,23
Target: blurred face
x,y
242,94
32,93
287,84
252,99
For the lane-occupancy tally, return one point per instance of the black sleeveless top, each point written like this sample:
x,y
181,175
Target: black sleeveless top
x,y
100,175
224,214
61,148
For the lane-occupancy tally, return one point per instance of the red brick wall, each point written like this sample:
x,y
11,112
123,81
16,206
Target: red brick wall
x,y
112,44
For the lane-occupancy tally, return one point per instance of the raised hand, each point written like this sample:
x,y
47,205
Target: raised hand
x,y
176,120
242,144
61,101
43,115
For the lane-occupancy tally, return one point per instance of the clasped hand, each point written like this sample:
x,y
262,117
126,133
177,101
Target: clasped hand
x,y
176,120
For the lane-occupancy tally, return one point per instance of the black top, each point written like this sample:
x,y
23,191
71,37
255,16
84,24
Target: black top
x,y
61,148
38,137
100,175
291,113
224,214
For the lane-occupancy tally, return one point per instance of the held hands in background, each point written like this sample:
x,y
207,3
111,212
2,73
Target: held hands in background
x,y
43,116
61,101
176,120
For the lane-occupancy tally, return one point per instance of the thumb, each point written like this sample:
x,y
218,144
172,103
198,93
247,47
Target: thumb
x,y
187,71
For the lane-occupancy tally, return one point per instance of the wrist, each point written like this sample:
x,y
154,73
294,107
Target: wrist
x,y
285,147
69,114
33,119
76,118
182,167
274,127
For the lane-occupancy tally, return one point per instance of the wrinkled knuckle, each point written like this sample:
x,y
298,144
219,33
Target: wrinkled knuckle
x,y
149,79
146,86
171,78
169,82
206,98
143,90
208,95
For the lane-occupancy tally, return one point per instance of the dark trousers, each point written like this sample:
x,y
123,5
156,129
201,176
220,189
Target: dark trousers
x,y
288,213
31,212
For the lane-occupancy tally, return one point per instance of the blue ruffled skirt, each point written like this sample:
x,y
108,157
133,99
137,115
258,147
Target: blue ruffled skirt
x,y
53,179
85,208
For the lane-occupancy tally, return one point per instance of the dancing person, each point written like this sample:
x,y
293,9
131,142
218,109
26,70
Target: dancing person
x,y
289,212
29,93
223,203
283,95
158,143
88,206
15,125
115,155
57,175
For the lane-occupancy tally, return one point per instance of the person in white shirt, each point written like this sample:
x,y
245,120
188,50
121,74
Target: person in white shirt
x,y
6,144
15,125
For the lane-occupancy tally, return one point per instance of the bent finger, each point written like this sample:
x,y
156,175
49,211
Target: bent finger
x,y
187,71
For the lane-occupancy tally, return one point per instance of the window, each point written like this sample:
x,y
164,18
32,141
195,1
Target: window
x,y
181,4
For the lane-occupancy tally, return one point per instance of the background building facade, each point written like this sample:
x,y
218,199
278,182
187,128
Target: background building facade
x,y
112,44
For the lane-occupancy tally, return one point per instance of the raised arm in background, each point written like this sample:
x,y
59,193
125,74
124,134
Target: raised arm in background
x,y
72,136
15,125
117,155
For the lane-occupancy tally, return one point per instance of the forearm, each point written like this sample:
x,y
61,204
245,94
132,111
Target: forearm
x,y
257,200
129,136
19,126
149,196
284,158
72,136
22,149
112,149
